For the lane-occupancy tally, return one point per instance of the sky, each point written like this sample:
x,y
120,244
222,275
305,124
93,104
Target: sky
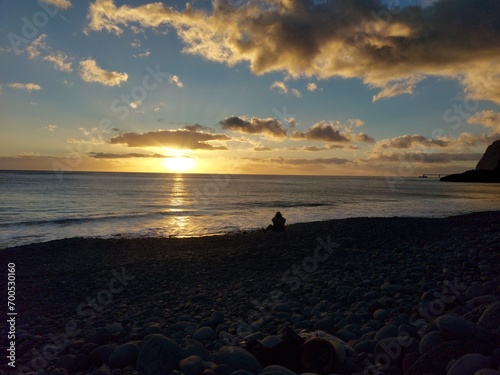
x,y
307,87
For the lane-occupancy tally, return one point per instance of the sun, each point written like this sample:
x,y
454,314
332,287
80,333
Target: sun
x,y
179,164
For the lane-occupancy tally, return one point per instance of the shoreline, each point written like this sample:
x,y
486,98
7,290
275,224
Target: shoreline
x,y
117,292
128,236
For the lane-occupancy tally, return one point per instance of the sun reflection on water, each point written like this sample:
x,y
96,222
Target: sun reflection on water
x,y
178,224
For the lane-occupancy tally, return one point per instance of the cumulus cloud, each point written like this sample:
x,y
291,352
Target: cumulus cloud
x,y
105,155
63,4
175,80
312,86
266,126
180,139
280,86
489,119
296,93
91,72
39,49
386,48
24,86
334,132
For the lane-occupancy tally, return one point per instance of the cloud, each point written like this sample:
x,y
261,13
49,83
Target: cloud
x,y
50,127
198,128
90,72
266,126
175,80
180,139
391,89
312,86
262,148
24,86
408,141
334,132
296,93
105,155
57,58
386,47
317,161
424,158
280,86
489,119
63,4
136,104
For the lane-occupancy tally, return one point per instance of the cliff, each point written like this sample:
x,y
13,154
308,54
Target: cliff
x,y
487,170
491,158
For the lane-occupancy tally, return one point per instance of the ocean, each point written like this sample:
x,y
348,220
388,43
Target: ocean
x,y
43,206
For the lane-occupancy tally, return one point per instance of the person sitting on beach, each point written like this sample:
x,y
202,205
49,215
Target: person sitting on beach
x,y
278,224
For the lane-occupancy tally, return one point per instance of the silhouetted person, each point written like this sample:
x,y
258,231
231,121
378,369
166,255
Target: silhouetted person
x,y
278,224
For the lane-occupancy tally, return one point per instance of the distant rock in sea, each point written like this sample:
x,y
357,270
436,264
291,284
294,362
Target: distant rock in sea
x,y
487,170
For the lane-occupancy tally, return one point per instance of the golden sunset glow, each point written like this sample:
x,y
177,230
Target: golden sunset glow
x,y
179,164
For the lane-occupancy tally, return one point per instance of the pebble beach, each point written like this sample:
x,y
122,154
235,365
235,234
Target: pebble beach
x,y
378,295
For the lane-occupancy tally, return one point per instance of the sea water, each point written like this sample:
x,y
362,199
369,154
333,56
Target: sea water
x,y
42,206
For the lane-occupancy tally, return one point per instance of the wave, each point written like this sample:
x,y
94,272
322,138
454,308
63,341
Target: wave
x,y
81,220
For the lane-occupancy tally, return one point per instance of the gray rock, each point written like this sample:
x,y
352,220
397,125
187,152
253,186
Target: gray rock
x,y
158,355
271,341
346,335
487,371
278,370
490,319
237,358
387,331
430,340
58,371
282,307
100,355
381,314
204,333
476,290
215,319
192,365
457,328
190,347
468,364
366,346
124,355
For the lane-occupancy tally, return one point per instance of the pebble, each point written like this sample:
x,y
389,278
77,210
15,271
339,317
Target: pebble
x,y
124,355
237,358
468,364
158,355
457,328
203,334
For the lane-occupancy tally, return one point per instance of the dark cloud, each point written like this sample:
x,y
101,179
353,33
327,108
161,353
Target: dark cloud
x,y
411,141
317,161
322,131
421,157
255,125
198,127
105,155
387,47
182,139
262,148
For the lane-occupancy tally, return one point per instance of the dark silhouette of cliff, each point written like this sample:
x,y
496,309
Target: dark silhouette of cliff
x,y
487,170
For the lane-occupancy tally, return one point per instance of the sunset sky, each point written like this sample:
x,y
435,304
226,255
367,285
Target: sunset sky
x,y
324,87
